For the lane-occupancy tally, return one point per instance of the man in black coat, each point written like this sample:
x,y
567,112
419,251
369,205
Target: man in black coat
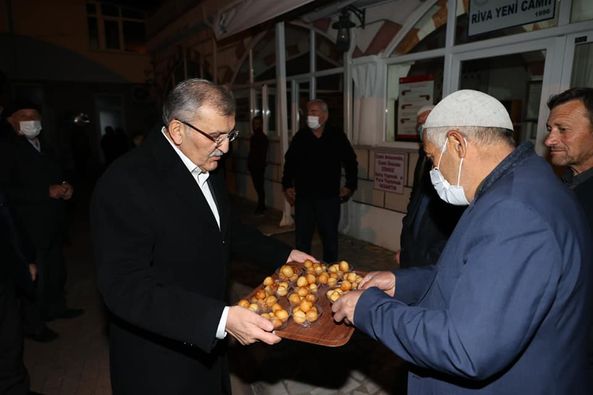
x,y
17,271
37,190
164,234
312,177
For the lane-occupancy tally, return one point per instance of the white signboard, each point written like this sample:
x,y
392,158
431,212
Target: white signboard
x,y
414,93
389,172
489,15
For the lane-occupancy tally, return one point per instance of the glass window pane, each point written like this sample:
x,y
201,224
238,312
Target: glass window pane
x,y
297,50
109,10
93,33
428,33
134,36
520,94
411,86
487,18
327,56
264,57
581,68
582,10
112,35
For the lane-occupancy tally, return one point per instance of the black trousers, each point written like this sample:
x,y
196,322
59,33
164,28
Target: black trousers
x,y
323,213
257,176
14,379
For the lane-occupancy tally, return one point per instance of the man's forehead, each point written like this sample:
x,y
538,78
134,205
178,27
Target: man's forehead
x,y
26,112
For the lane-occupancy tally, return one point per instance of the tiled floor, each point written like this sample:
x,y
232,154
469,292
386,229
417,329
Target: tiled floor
x,y
78,362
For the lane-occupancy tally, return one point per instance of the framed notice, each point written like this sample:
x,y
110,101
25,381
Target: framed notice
x,y
389,172
489,15
414,93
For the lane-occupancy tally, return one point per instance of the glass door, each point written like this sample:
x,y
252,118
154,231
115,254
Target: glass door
x,y
578,58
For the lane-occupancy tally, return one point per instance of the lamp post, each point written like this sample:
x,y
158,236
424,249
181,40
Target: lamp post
x,y
344,24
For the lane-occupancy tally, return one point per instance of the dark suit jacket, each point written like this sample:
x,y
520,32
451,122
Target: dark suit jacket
x,y
162,270
429,220
25,175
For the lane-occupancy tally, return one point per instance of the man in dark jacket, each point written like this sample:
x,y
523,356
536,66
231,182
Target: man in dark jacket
x,y
164,233
570,140
312,177
507,309
429,221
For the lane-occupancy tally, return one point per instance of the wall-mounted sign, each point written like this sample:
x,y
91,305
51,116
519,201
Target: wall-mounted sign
x,y
389,172
489,15
414,93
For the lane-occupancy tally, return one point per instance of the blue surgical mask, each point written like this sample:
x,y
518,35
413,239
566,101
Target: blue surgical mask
x,y
452,194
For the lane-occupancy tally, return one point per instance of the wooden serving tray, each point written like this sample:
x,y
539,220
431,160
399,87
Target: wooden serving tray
x,y
323,332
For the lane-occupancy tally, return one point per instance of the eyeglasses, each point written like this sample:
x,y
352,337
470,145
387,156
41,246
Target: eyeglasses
x,y
231,136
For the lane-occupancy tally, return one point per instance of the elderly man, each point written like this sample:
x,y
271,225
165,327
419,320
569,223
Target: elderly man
x,y
506,310
164,234
311,180
429,221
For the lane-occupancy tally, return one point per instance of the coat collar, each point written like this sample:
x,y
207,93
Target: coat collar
x,y
178,178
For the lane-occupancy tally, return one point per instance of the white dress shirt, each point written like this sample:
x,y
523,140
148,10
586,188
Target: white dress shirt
x,y
201,178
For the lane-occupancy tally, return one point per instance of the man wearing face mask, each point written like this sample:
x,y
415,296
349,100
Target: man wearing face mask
x,y
36,188
429,220
507,308
312,176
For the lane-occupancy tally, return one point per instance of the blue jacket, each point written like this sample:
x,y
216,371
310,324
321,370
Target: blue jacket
x,y
506,309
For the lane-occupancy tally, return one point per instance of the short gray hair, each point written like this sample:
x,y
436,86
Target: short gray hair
x,y
320,103
190,95
479,134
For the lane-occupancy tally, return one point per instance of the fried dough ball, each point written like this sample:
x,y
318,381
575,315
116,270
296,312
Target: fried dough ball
x,y
311,279
308,264
305,305
344,266
282,315
243,303
312,315
268,281
323,277
302,281
332,281
277,307
282,291
299,316
254,307
313,288
271,300
351,276
276,322
287,271
302,291
294,299
346,285
311,298
260,294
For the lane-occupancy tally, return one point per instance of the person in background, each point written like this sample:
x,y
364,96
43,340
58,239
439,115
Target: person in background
x,y
570,144
164,232
257,160
429,221
18,271
312,177
507,308
36,189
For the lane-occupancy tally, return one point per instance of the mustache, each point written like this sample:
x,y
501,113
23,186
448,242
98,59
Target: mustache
x,y
216,153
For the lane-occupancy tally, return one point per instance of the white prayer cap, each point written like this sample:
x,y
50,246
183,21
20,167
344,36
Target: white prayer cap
x,y
469,108
423,109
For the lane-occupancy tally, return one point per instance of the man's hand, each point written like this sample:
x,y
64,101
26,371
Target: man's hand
x,y
290,194
248,327
344,307
345,194
56,191
385,281
33,271
300,256
68,190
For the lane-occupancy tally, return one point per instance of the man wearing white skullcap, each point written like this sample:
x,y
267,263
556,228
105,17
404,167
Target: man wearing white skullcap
x,y
507,308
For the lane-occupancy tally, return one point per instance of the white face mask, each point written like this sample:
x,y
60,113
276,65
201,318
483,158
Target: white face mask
x,y
452,194
313,121
30,129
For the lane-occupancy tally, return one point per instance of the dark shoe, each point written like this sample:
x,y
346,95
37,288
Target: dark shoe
x,y
67,314
45,336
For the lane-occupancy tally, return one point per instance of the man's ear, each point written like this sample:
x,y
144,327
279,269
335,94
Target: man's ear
x,y
174,128
458,142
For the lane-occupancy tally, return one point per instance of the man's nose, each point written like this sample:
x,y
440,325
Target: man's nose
x,y
224,146
550,139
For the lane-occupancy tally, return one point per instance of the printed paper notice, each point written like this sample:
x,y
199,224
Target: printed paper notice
x,y
389,172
